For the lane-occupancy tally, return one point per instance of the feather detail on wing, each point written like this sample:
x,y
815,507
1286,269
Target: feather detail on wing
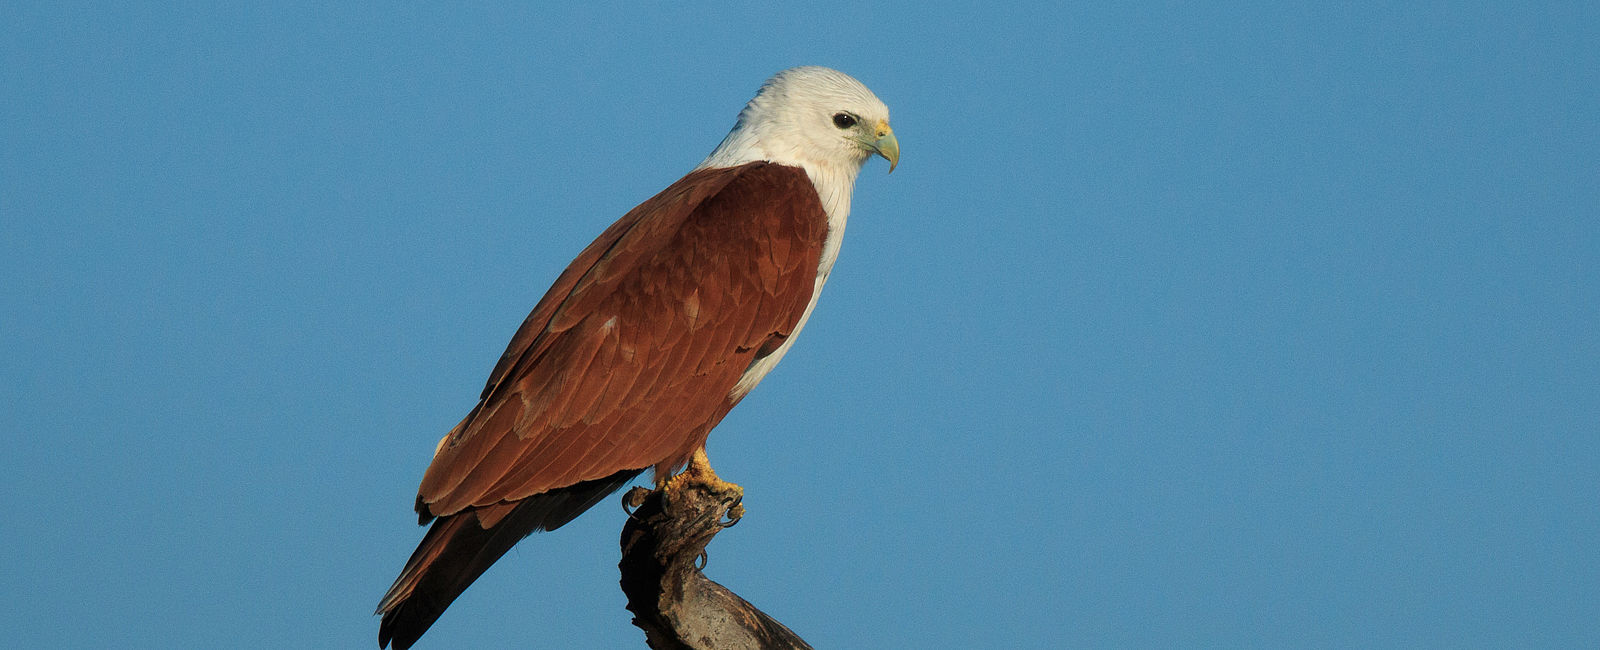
x,y
628,361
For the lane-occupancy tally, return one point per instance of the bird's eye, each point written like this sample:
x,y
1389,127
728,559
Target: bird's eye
x,y
844,120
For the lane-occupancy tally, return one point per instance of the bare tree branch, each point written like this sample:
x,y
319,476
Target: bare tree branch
x,y
672,601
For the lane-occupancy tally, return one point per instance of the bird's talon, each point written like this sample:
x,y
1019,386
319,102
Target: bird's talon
x,y
735,512
632,499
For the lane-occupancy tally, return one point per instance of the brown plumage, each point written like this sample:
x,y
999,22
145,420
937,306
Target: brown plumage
x,y
626,364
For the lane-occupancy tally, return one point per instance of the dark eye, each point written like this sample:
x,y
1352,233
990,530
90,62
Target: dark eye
x,y
844,120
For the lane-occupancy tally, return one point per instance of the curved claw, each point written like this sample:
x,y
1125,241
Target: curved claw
x,y
735,513
632,499
701,561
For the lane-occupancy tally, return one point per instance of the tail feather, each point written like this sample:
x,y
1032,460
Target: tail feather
x,y
458,548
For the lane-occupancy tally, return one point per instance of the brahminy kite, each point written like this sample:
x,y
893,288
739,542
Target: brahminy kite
x,y
648,338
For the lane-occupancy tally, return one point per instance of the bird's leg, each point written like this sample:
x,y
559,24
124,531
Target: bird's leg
x,y
699,472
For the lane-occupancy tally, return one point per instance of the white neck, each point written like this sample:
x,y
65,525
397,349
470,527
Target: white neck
x,y
834,181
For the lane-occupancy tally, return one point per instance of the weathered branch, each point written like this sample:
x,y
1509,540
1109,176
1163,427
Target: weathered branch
x,y
672,601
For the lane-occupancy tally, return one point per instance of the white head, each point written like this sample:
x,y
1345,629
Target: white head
x,y
815,118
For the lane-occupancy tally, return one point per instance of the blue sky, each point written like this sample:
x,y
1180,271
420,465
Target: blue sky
x,y
1183,325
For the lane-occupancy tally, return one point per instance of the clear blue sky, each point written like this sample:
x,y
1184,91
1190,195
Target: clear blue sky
x,y
1181,325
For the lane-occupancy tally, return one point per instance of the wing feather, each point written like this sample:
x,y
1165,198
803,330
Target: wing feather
x,y
631,357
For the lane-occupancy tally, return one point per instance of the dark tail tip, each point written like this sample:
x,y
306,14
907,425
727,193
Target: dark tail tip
x,y
456,550
403,625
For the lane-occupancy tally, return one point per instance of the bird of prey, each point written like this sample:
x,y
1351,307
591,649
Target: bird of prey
x,y
648,338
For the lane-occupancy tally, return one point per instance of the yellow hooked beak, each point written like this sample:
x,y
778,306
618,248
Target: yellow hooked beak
x,y
885,144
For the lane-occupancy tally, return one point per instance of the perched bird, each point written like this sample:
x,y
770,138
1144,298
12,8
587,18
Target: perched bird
x,y
648,338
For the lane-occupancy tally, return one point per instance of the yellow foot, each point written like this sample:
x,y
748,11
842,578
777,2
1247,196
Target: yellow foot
x,y
699,473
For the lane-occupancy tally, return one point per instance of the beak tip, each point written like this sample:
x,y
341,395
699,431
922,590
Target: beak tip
x,y
888,147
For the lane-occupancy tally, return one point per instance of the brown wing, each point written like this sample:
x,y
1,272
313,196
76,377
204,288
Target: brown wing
x,y
629,360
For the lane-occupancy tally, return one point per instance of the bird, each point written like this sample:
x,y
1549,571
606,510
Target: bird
x,y
648,338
